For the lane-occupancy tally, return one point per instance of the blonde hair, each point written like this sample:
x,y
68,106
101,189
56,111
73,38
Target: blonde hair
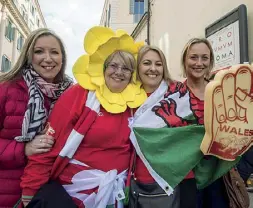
x,y
186,49
126,57
26,54
147,48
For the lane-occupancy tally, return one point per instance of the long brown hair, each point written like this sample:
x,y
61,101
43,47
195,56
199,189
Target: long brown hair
x,y
26,54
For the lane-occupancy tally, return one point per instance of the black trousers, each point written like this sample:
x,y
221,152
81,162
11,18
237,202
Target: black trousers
x,y
213,196
52,195
188,193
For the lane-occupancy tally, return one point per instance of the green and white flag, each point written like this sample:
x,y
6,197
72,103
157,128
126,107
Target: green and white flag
x,y
167,139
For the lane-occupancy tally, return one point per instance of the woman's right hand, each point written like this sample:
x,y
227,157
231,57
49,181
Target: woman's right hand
x,y
40,144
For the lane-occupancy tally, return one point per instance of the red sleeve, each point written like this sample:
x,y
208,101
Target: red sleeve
x,y
10,150
62,119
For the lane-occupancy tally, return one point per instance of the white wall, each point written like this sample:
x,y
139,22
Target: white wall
x,y
173,23
120,17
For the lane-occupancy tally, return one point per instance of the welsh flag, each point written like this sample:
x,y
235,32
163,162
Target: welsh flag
x,y
173,152
167,134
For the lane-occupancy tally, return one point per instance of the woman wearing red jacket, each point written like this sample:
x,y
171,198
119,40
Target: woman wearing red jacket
x,y
27,94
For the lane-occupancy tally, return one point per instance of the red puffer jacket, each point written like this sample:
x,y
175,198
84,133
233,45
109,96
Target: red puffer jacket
x,y
13,104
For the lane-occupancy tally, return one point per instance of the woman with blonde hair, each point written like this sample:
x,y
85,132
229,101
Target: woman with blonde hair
x,y
145,188
153,52
197,62
27,94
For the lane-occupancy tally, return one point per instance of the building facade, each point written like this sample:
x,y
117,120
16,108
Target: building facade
x,y
170,24
17,19
123,14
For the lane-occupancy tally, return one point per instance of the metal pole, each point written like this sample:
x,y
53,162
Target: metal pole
x,y
148,26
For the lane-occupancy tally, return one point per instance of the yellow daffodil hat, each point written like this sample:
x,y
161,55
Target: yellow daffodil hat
x,y
99,43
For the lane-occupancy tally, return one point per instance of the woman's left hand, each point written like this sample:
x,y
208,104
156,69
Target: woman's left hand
x,y
40,144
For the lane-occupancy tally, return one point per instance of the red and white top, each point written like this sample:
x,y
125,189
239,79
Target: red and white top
x,y
104,152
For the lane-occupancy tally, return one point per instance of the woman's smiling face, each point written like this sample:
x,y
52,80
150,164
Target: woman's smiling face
x,y
150,71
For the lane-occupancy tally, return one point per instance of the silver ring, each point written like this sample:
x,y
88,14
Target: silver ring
x,y
40,140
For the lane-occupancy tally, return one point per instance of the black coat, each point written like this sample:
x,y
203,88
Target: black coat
x,y
245,166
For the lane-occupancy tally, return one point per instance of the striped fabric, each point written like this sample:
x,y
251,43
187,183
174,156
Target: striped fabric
x,y
36,113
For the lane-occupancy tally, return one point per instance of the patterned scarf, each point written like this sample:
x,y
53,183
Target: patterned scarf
x,y
36,113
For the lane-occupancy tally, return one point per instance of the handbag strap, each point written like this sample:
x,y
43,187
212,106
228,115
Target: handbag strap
x,y
133,157
131,164
236,189
134,162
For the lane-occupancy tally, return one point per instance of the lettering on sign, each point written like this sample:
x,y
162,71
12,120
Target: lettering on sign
x,y
226,46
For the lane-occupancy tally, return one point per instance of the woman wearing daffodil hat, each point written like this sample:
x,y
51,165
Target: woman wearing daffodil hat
x,y
90,122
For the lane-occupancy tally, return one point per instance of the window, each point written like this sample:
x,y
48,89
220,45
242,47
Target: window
x,y
109,15
26,18
32,10
15,2
23,12
27,3
38,22
106,17
20,42
138,8
9,31
6,64
31,25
